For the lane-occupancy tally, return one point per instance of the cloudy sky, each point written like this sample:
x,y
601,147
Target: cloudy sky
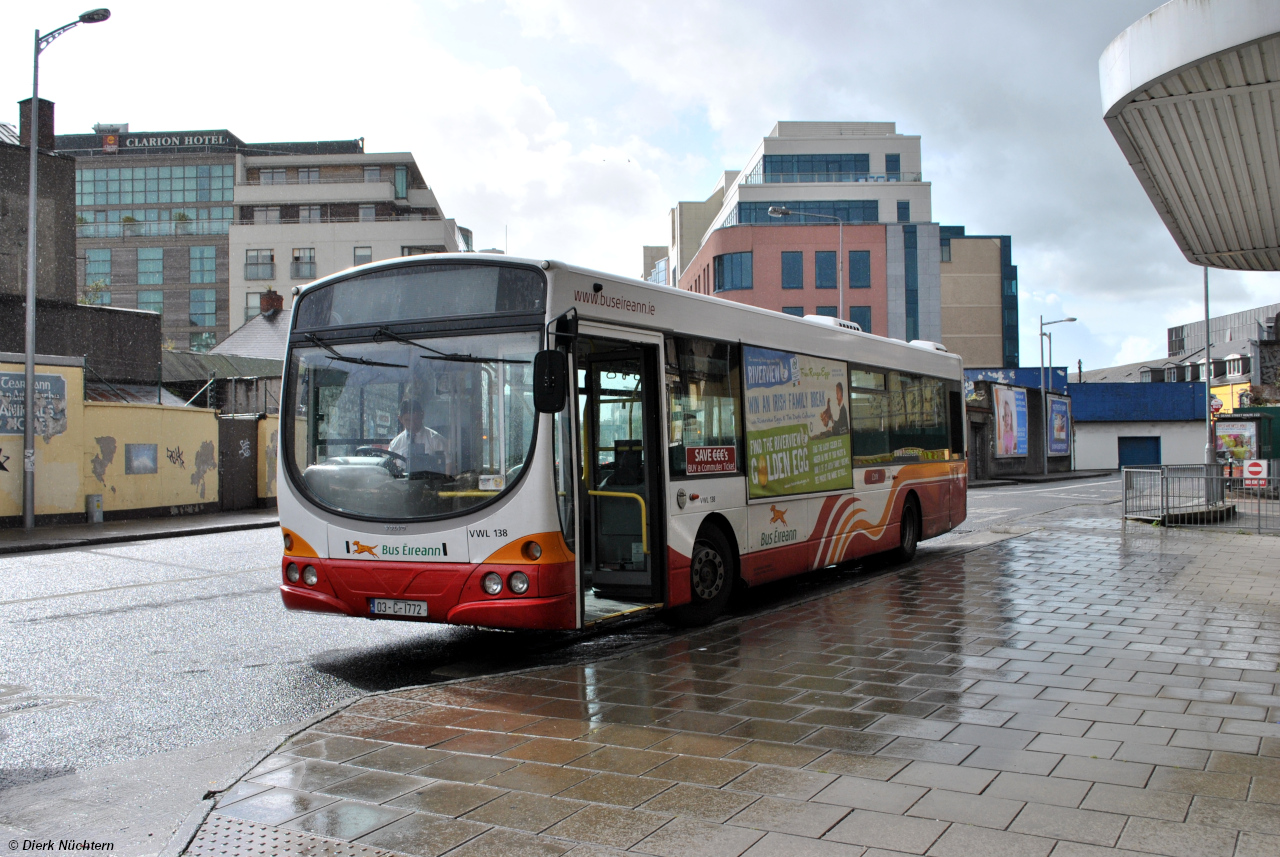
x,y
567,129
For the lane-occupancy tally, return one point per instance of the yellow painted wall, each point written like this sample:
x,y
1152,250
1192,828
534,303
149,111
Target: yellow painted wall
x,y
268,446
1230,395
186,447
57,455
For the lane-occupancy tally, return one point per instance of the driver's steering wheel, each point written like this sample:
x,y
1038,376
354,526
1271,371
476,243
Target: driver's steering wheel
x,y
395,463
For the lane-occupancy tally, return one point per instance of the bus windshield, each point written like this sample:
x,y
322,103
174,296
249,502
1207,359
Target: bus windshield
x,y
411,428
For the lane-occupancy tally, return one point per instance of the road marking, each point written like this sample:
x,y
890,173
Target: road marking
x,y
132,586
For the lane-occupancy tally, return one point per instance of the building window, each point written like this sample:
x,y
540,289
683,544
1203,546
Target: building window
x,y
142,185
786,169
308,214
264,214
911,272
828,311
792,269
797,311
658,275
850,211
96,295
944,250
204,307
308,175
824,269
202,342
259,264
252,305
303,266
272,176
1010,287
402,181
859,269
861,316
904,211
203,264
373,174
97,267
362,256
1011,318
893,167
151,300
733,271
368,213
150,266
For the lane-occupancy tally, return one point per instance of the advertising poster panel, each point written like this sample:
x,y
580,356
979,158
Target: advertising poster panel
x,y
1237,439
51,404
797,421
1011,421
1059,425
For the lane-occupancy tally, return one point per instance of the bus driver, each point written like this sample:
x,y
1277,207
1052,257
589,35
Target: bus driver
x,y
417,443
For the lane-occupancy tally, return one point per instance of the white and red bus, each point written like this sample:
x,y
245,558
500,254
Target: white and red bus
x,y
482,440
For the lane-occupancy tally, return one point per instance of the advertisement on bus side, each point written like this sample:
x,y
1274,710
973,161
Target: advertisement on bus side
x,y
797,421
1011,421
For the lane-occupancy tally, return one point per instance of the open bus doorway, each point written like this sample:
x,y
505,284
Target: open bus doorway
x,y
623,541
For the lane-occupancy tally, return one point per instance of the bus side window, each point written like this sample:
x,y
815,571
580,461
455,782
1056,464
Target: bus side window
x,y
703,401
869,416
918,418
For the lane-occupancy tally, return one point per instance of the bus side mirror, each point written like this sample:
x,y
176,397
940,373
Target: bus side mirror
x,y
550,381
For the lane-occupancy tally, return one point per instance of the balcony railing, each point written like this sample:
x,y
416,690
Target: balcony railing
x,y
152,228
260,270
809,178
300,271
387,179
385,219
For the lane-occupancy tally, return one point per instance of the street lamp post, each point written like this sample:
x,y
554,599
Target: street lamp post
x,y
1044,400
783,211
93,16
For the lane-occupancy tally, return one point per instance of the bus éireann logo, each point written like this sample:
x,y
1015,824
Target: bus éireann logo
x,y
778,515
369,549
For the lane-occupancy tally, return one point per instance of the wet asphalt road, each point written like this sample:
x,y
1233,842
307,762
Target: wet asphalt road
x,y
113,653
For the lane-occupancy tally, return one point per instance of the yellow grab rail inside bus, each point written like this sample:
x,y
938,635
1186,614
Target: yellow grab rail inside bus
x,y
644,514
452,494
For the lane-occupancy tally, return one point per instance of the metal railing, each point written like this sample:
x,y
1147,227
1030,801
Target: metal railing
x,y
1196,495
260,270
152,228
383,219
809,178
351,179
300,271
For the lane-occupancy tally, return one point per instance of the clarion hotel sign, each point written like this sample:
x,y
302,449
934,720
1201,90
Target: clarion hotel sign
x,y
114,142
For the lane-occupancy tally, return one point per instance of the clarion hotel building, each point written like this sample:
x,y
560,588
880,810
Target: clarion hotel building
x,y
197,225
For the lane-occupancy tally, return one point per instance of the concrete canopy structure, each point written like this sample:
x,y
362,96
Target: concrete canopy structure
x,y
1191,93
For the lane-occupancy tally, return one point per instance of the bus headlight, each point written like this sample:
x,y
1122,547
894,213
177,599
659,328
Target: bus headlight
x,y
518,583
491,583
531,550
310,575
291,573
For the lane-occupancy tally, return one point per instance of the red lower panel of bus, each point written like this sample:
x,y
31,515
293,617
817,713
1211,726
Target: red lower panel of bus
x,y
451,591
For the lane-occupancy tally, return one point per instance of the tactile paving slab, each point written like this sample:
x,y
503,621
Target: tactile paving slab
x,y
221,835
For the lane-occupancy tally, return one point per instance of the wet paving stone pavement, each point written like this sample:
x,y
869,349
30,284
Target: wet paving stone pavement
x,y
1084,689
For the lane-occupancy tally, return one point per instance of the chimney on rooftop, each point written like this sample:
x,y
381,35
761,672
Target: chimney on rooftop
x,y
270,302
46,140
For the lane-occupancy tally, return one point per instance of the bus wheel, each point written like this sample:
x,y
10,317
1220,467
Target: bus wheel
x,y
909,530
710,581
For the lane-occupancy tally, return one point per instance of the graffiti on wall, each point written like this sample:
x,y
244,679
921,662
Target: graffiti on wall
x,y
273,447
206,461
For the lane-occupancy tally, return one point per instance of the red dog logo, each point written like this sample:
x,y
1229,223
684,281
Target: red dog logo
x,y
369,549
778,515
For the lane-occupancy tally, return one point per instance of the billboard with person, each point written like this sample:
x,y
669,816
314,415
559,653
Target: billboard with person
x,y
1059,425
1011,421
797,421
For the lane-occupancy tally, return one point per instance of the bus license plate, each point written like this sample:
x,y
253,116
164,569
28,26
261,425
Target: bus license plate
x,y
392,607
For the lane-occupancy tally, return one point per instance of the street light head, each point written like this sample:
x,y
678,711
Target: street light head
x,y
1068,319
95,16
779,211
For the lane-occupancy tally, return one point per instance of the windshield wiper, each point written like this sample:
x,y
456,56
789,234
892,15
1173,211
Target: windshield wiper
x,y
441,355
336,355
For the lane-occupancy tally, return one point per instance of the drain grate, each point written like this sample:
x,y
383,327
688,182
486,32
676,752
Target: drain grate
x,y
222,835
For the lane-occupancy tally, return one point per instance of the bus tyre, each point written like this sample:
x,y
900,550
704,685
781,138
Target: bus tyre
x,y
909,531
710,581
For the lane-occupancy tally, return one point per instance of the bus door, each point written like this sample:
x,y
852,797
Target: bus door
x,y
623,539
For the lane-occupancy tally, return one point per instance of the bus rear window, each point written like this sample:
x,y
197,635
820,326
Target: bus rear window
x,y
426,291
